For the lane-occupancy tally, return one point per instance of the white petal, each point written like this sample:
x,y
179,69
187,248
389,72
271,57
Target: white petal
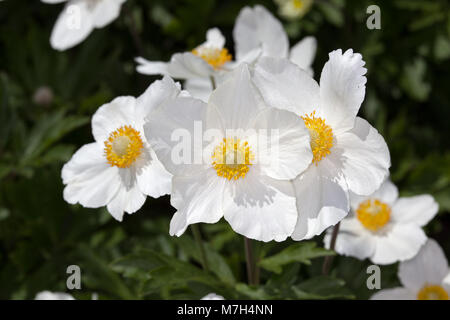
x,y
322,199
342,88
187,65
387,193
106,11
212,296
256,27
198,198
151,67
90,180
285,86
171,133
200,88
74,24
260,207
400,243
153,179
47,295
284,150
111,116
363,156
303,53
214,39
237,100
352,240
428,266
394,294
158,93
127,200
418,210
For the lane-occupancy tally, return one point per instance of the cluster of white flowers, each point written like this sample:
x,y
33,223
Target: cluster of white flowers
x,y
324,166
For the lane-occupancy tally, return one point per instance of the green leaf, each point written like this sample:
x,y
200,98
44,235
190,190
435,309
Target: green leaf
x,y
300,252
253,293
322,287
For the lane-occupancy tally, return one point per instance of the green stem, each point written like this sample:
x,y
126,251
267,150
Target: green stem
x,y
198,238
250,262
213,82
329,259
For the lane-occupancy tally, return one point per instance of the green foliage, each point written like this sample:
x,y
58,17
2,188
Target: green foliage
x,y
407,100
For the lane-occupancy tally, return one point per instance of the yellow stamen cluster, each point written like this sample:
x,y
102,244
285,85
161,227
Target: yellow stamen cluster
x,y
123,147
215,57
232,158
298,4
373,214
432,292
321,136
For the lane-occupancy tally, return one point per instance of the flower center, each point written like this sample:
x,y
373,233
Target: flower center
x,y
432,292
298,4
214,56
123,147
232,158
321,136
373,214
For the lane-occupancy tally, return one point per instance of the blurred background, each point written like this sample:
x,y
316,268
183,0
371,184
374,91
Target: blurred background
x,y
47,99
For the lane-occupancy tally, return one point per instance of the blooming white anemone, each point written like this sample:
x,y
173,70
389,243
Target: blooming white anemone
x,y
239,176
383,227
349,154
293,9
119,169
256,33
48,295
425,277
79,18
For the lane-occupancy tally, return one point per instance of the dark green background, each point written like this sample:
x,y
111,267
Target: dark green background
x,y
407,100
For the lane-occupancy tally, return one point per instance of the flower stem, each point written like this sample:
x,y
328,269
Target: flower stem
x,y
198,238
132,28
329,259
252,272
213,82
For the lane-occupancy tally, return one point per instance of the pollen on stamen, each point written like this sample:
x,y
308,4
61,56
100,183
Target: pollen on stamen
x,y
373,214
214,56
123,147
321,136
232,158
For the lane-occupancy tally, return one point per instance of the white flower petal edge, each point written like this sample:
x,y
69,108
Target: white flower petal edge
x,y
303,53
212,296
93,179
79,18
350,154
424,277
399,239
252,200
48,295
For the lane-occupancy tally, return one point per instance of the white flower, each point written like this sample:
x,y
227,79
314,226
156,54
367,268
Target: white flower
x,y
79,18
212,296
47,295
119,169
385,228
349,154
425,277
293,9
241,178
256,33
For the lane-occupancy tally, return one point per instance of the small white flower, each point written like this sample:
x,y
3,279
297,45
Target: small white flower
x,y
240,178
425,277
293,9
119,169
349,154
212,296
79,18
385,228
256,33
47,295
